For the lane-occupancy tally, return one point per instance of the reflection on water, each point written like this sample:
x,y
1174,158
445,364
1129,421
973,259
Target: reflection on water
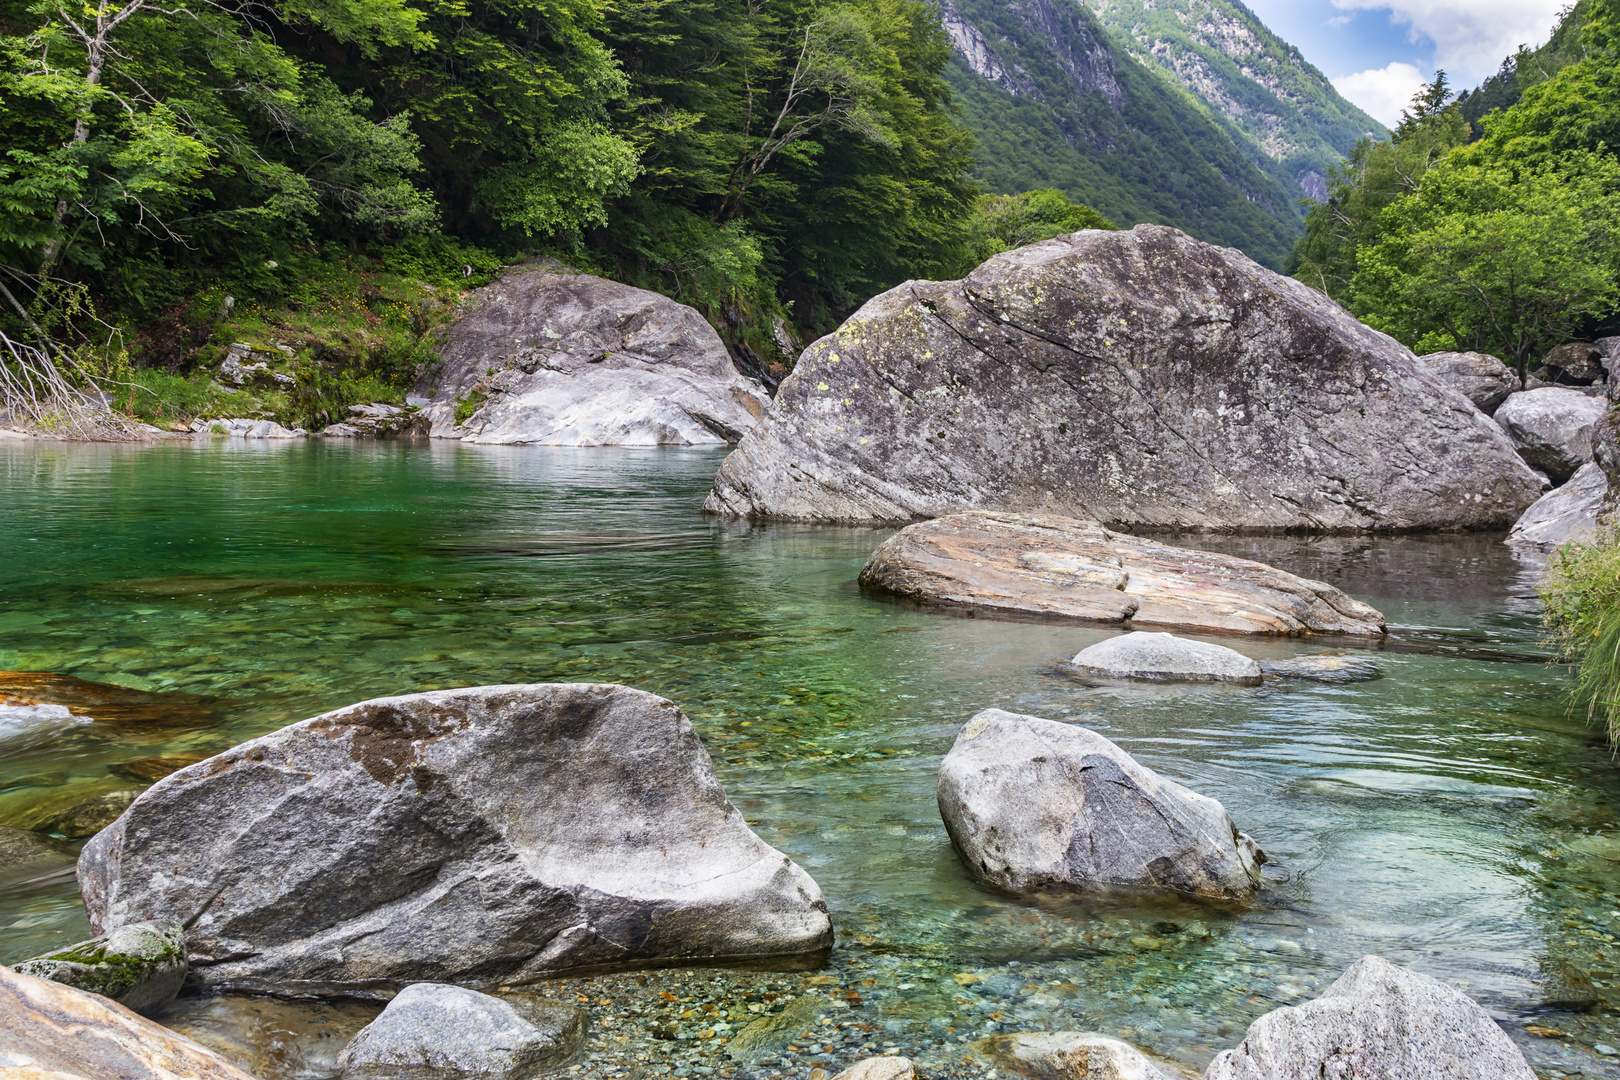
x,y
1450,815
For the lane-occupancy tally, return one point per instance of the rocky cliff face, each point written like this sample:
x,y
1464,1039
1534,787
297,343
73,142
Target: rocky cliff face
x,y
1139,379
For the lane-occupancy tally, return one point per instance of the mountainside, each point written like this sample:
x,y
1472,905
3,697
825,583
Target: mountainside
x,y
1255,85
1054,102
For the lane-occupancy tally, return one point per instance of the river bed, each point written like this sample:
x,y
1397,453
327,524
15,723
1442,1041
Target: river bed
x,y
1452,815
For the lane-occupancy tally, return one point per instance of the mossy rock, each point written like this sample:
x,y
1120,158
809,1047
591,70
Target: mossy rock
x,y
141,966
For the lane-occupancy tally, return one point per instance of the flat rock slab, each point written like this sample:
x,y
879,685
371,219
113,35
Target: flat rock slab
x,y
1151,657
1067,1055
568,359
482,836
1551,428
1377,1020
431,1031
140,965
1565,513
1035,806
49,1031
1332,668
1063,568
1136,378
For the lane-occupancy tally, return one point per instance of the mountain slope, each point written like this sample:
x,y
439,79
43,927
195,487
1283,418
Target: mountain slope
x,y
1055,103
1255,85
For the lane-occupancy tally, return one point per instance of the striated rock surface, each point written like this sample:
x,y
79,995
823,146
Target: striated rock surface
x,y
482,836
1552,428
1161,657
1479,377
379,421
1066,1055
1377,1020
53,1032
1137,379
569,359
435,1032
1062,568
1565,513
141,966
1033,805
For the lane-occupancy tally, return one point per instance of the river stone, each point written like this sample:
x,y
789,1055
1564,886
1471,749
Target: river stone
x,y
1565,513
1033,806
1377,1020
1479,377
1552,428
568,359
22,848
140,965
431,1031
273,1038
765,1037
482,836
49,1031
1066,1055
1577,363
1164,658
1324,668
880,1068
1063,568
1137,378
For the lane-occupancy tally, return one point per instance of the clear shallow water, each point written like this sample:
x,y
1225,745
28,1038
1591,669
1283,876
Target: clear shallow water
x,y
1451,815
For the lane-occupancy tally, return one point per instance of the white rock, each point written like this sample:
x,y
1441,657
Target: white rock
x,y
1551,428
1565,513
27,722
880,1068
431,1031
1377,1021
1067,1055
1159,657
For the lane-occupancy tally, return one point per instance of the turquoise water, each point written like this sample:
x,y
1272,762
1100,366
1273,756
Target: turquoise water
x,y
1450,815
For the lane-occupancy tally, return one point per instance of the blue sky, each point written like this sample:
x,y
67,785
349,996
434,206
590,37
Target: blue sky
x,y
1378,52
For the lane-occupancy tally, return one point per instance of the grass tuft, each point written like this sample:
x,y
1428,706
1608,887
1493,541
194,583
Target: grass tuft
x,y
1582,597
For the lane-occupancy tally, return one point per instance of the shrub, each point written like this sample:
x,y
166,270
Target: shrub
x,y
1582,594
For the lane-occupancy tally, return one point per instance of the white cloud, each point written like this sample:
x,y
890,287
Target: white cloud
x,y
1338,22
1382,92
1471,37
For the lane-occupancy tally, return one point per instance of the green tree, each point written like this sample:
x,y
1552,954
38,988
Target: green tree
x,y
1003,222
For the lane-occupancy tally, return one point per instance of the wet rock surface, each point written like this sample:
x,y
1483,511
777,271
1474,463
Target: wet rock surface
x,y
1136,378
1552,428
1327,668
141,966
272,1038
1056,567
570,359
1068,1055
54,1032
435,1032
1159,657
1037,806
1565,513
1479,377
1378,1019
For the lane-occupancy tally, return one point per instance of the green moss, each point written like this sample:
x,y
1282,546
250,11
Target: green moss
x,y
469,405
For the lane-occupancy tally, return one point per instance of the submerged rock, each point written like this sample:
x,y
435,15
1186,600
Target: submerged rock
x,y
435,1032
72,811
1565,513
1377,1020
1164,658
569,359
1033,805
1552,428
21,724
1067,1055
1063,568
481,836
1137,379
765,1037
1479,377
1329,668
272,1038
20,848
880,1068
54,1032
141,966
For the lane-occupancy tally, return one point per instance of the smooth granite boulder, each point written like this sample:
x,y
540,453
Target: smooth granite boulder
x,y
1066,1055
1564,513
1036,806
1552,428
431,1031
1138,379
1479,377
1062,568
49,1031
561,358
1151,657
482,836
1377,1020
141,965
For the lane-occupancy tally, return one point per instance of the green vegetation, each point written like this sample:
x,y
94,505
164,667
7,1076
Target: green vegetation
x,y
1582,594
1003,222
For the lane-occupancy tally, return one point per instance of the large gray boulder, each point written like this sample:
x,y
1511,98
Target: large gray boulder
x,y
1162,657
480,836
1037,806
1032,565
431,1031
140,965
1552,428
1479,377
567,359
1377,1020
1135,379
1565,513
